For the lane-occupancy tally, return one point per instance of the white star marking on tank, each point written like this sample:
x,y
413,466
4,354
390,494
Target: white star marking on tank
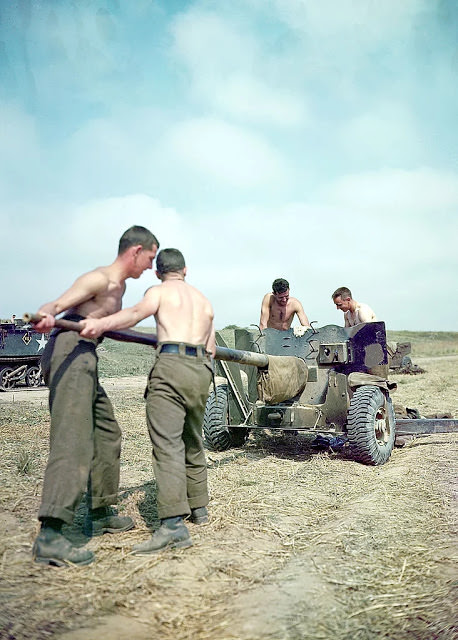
x,y
42,342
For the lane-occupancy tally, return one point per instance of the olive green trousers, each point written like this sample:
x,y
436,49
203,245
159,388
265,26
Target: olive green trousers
x,y
175,403
85,439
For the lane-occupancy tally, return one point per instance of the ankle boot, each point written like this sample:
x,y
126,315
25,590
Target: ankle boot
x,y
106,520
172,534
51,547
199,515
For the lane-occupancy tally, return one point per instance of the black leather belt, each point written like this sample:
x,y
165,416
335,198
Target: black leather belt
x,y
175,348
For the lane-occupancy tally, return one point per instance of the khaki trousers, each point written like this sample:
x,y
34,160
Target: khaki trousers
x,y
175,402
85,439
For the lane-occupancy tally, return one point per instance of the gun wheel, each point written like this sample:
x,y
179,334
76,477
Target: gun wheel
x,y
218,436
371,425
5,382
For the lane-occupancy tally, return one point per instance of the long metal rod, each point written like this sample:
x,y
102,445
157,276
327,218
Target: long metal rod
x,y
130,335
412,426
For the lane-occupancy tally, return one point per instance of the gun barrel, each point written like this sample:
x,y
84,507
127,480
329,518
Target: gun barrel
x,y
243,357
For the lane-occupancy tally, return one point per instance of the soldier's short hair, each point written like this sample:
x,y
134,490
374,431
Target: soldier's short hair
x,y
169,261
280,285
342,292
137,235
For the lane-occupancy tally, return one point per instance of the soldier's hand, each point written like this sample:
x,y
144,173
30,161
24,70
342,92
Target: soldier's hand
x,y
91,328
299,331
46,323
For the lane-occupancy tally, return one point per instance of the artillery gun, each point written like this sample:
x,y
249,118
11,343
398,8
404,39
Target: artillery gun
x,y
398,355
331,380
21,348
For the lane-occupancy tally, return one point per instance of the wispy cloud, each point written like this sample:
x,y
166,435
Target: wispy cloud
x,y
227,153
229,71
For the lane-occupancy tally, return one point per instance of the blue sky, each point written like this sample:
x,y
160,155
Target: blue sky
x,y
311,140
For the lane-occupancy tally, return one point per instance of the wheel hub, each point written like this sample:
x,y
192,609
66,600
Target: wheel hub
x,y
382,427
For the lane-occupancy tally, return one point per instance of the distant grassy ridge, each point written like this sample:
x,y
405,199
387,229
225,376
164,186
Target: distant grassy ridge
x,y
428,343
129,359
125,358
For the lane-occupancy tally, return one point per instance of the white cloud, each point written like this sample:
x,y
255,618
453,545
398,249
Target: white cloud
x,y
248,98
233,256
108,218
226,152
66,240
395,192
118,154
19,149
231,71
96,226
104,151
211,46
362,24
386,136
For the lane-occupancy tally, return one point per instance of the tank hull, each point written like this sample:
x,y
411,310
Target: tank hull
x,y
21,349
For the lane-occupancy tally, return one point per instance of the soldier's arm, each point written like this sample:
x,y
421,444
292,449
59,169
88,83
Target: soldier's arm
x,y
84,288
265,311
366,314
301,314
129,317
211,342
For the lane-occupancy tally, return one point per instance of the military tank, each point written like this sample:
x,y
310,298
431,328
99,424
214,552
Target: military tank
x,y
21,348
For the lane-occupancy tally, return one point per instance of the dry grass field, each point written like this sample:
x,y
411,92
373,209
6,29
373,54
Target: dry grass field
x,y
301,544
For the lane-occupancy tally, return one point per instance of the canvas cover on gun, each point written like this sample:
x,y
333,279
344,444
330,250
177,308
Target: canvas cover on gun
x,y
283,379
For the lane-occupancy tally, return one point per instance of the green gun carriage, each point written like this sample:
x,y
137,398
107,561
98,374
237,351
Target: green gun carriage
x,y
330,380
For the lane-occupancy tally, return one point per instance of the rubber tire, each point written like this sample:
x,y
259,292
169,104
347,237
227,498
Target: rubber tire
x,y
6,386
217,436
33,376
371,425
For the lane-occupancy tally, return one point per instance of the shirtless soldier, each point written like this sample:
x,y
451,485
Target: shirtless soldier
x,y
175,397
354,312
85,439
278,309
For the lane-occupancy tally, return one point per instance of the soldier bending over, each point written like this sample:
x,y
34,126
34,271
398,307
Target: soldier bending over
x,y
85,439
278,309
354,312
175,397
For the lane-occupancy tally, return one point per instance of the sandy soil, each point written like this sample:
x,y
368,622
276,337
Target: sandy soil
x,y
39,395
301,545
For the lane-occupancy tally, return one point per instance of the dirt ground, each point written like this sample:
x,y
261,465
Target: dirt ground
x,y
301,544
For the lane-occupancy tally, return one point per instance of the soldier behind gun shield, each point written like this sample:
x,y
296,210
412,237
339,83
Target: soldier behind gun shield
x,y
278,309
